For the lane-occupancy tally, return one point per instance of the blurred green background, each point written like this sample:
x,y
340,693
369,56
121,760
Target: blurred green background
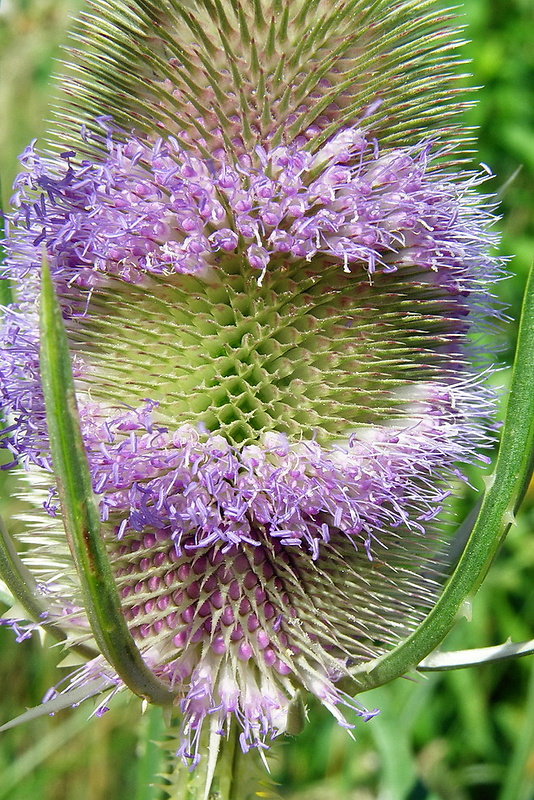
x,y
466,735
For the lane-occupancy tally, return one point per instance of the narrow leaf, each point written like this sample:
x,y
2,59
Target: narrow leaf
x,y
59,703
506,488
79,510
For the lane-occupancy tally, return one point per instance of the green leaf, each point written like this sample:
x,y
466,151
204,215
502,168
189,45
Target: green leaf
x,y
67,699
79,510
505,490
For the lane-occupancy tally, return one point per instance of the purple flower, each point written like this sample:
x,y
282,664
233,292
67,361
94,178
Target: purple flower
x,y
278,380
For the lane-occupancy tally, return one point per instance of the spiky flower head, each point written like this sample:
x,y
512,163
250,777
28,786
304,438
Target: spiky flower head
x,y
272,269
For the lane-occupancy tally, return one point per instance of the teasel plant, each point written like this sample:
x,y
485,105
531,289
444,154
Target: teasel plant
x,y
244,369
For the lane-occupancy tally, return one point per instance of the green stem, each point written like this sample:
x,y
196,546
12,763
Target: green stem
x,y
224,772
149,756
79,509
213,777
505,490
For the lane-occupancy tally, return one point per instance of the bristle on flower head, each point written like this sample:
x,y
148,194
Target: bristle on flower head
x,y
233,75
271,322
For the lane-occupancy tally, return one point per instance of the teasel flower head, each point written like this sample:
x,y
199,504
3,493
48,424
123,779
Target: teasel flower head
x,y
273,267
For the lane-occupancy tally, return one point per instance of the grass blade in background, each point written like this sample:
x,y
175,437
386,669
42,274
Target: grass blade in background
x,y
6,295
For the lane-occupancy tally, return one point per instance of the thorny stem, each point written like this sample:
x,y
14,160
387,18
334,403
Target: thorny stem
x,y
149,756
223,773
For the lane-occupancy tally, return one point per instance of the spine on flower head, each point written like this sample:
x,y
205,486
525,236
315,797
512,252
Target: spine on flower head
x,y
273,274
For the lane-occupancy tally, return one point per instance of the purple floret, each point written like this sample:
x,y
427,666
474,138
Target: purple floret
x,y
158,210
250,567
